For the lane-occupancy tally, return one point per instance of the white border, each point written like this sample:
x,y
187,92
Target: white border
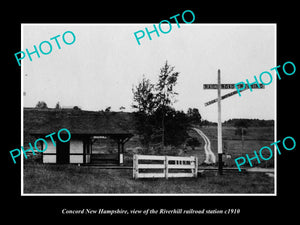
x,y
149,194
22,115
275,124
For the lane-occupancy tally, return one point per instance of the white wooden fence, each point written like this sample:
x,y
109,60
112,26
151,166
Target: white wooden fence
x,y
153,166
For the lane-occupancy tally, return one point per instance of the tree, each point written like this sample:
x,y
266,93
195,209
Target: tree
x,y
165,87
57,106
145,102
145,127
76,108
156,120
108,109
41,105
176,125
144,97
175,122
165,92
193,142
194,116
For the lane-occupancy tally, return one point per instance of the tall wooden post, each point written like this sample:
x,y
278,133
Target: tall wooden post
x,y
119,151
220,151
242,140
219,87
122,153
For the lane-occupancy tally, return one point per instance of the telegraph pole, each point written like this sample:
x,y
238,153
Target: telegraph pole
x,y
220,86
220,147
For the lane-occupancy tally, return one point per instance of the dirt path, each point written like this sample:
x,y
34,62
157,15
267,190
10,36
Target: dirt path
x,y
210,157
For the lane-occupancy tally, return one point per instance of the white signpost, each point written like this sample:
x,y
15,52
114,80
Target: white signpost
x,y
220,86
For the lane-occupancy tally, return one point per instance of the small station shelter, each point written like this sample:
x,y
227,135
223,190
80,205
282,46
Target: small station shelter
x,y
85,127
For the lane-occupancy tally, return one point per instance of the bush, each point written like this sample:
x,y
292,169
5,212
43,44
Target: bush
x,y
193,142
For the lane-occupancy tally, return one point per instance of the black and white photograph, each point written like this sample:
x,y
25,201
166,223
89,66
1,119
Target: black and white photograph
x,y
143,118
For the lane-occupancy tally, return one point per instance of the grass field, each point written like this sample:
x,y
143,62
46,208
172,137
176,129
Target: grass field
x,y
43,178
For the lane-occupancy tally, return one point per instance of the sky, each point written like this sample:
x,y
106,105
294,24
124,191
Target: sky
x,y
103,64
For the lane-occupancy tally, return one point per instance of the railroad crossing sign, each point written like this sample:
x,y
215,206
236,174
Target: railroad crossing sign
x,y
224,96
215,86
220,86
228,86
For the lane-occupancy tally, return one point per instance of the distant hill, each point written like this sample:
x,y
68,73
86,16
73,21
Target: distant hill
x,y
249,122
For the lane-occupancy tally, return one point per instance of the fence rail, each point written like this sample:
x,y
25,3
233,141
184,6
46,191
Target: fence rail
x,y
153,166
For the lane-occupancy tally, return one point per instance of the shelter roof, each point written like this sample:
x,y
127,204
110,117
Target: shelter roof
x,y
78,122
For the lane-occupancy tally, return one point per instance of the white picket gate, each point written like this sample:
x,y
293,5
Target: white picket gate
x,y
154,166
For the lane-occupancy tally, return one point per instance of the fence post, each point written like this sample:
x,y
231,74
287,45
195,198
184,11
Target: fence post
x,y
166,167
135,165
193,162
196,166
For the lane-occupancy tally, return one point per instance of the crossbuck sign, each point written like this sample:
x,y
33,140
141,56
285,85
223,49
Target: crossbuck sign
x,y
220,86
